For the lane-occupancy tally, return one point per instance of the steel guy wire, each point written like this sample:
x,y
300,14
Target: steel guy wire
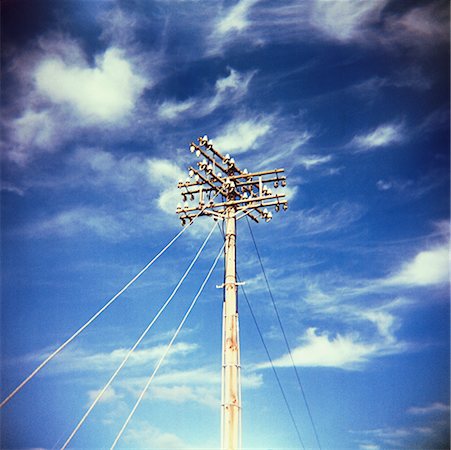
x,y
132,349
146,387
290,412
285,337
270,359
97,314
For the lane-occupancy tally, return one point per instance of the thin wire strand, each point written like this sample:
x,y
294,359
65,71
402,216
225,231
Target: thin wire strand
x,y
285,337
269,358
290,412
97,314
132,349
146,387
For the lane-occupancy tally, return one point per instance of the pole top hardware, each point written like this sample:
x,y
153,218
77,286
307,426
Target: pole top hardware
x,y
217,184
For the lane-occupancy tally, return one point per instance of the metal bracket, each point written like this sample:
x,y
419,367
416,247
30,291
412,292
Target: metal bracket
x,y
239,283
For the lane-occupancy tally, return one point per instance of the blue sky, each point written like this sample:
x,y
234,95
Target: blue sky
x,y
100,100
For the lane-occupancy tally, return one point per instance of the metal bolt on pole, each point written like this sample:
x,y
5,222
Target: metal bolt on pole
x,y
227,193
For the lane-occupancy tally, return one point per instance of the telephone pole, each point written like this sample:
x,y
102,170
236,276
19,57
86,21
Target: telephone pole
x,y
218,188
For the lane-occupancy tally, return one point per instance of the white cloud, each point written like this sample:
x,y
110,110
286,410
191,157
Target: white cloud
x,y
170,110
109,396
106,92
309,161
382,136
144,435
427,268
227,90
323,220
184,394
345,20
322,350
165,174
31,132
433,408
367,446
242,135
235,19
77,220
60,94
76,360
421,26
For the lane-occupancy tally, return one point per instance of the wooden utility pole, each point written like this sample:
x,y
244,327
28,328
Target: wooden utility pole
x,y
221,190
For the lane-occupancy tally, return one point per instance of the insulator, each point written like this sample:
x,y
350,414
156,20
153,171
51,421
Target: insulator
x,y
284,183
265,211
187,180
192,149
179,206
183,222
184,197
285,207
270,215
245,195
198,153
209,167
186,205
210,143
232,161
205,138
269,192
204,162
191,173
245,171
196,177
277,208
276,184
218,174
227,157
265,188
192,197
180,181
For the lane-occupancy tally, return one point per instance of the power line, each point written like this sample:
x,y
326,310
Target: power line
x,y
146,387
269,358
285,337
273,368
132,349
97,314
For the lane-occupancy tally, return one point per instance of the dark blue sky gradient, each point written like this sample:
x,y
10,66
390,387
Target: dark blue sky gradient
x,y
100,101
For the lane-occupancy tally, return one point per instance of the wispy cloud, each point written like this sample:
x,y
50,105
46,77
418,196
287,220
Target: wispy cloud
x,y
311,161
382,136
243,134
227,90
140,431
235,18
345,21
335,217
77,220
367,24
433,408
348,351
82,360
428,268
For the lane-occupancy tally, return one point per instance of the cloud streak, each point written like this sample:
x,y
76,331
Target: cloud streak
x,y
382,136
